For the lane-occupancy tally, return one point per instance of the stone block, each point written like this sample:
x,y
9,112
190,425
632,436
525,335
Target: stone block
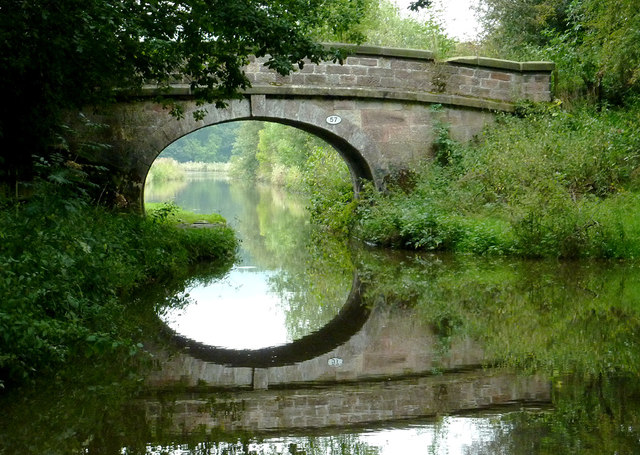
x,y
363,61
465,89
500,95
338,69
501,76
280,79
483,74
297,78
410,65
388,82
489,83
315,79
481,92
368,81
261,78
381,72
379,119
258,105
466,71
538,66
333,80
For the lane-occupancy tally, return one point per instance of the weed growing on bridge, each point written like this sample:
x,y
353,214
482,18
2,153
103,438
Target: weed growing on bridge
x,y
544,183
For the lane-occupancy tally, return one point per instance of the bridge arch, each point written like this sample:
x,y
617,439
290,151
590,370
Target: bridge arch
x,y
356,148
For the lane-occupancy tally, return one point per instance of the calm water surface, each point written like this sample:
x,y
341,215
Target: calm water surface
x,y
264,300
311,346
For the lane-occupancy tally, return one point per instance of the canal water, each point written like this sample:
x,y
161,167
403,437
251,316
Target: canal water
x,y
310,345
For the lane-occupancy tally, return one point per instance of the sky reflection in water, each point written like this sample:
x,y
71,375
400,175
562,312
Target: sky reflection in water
x,y
237,312
451,435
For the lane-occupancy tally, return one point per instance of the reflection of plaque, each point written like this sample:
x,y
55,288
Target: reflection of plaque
x,y
334,119
335,362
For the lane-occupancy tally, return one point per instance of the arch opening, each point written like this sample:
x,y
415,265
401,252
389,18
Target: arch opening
x,y
356,164
274,278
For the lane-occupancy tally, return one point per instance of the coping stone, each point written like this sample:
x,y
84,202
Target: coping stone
x,y
496,63
354,49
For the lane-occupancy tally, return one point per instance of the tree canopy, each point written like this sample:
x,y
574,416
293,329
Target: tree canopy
x,y
70,54
593,42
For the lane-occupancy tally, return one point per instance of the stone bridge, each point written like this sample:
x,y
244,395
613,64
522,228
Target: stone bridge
x,y
378,109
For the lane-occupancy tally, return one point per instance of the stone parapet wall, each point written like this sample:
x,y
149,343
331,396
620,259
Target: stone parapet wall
x,y
398,71
500,79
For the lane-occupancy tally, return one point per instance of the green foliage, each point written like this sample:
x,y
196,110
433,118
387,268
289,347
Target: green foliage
x,y
597,52
67,269
514,24
382,24
198,166
575,323
445,149
169,212
545,316
161,212
612,33
244,163
282,149
291,158
547,183
86,408
385,26
313,284
328,183
63,55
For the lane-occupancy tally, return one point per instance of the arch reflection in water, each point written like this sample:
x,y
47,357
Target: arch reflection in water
x,y
343,326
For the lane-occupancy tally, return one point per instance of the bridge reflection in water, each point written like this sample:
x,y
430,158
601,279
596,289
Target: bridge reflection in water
x,y
372,365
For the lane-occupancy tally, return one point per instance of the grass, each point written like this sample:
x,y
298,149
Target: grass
x,y
170,212
198,166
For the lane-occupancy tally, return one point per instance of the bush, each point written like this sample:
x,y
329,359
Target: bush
x,y
327,180
68,269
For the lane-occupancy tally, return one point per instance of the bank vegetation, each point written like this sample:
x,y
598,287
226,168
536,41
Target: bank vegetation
x,y
71,272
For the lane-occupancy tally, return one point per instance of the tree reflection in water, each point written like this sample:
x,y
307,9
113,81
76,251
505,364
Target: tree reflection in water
x,y
576,323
